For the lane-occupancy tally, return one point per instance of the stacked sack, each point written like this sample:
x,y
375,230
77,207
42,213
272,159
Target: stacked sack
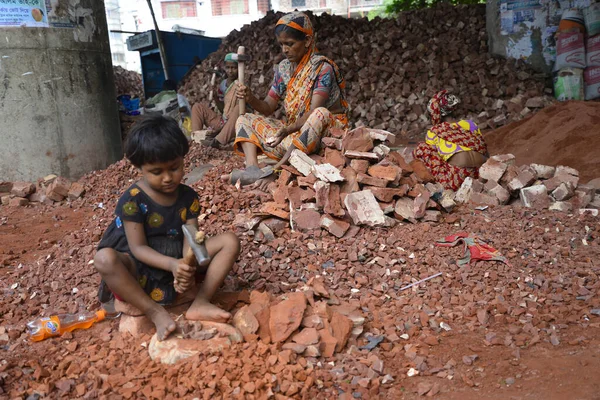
x,y
592,72
578,57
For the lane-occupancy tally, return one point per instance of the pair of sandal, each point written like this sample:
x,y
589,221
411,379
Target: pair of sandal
x,y
250,175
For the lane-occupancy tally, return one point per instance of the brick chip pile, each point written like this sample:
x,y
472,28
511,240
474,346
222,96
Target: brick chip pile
x,y
432,339
128,82
394,66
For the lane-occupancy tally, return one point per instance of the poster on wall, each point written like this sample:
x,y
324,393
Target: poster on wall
x,y
58,15
28,13
513,13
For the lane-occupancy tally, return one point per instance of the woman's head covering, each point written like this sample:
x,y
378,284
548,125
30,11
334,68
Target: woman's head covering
x,y
230,57
298,21
440,105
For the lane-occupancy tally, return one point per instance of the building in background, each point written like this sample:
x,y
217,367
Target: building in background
x,y
214,18
346,8
117,42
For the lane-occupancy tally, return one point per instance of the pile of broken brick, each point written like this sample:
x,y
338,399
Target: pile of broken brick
x,y
49,190
359,180
502,182
310,322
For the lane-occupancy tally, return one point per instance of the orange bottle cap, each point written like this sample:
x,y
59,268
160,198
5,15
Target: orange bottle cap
x,y
101,314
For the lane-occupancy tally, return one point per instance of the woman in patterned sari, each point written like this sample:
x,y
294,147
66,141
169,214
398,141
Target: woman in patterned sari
x,y
452,151
312,90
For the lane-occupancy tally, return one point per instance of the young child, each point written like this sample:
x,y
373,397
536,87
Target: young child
x,y
140,254
222,126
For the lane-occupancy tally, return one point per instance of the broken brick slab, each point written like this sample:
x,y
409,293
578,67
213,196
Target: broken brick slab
x,y
563,192
18,202
361,155
421,171
364,209
360,166
535,197
76,191
364,179
275,209
397,158
6,187
386,172
307,181
388,194
420,204
335,158
483,199
358,140
522,180
492,170
463,194
543,171
302,162
508,159
332,143
327,173
333,204
336,227
497,191
404,209
286,316
382,136
558,179
22,189
350,183
58,189
306,220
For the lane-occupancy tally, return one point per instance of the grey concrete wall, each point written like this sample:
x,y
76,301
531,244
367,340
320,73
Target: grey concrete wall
x,y
58,112
532,40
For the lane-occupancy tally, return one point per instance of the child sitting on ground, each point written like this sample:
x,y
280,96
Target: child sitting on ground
x,y
140,254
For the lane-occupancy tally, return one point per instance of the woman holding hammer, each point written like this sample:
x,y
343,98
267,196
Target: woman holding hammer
x,y
312,90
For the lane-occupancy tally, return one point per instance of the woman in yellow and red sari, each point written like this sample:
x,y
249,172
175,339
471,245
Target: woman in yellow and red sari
x,y
452,151
312,89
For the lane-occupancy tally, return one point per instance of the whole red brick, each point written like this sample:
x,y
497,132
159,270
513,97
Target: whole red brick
x,y
22,189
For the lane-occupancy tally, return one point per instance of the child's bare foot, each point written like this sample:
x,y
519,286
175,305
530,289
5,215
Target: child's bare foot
x,y
163,322
202,310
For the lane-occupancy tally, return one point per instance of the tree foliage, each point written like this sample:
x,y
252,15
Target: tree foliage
x,y
390,8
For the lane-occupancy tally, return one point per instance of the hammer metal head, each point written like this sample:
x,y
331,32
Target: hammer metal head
x,y
199,249
241,57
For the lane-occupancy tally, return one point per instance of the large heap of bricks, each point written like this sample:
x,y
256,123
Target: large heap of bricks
x,y
49,190
534,186
394,66
358,180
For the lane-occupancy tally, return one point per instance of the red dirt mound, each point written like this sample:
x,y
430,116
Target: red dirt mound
x,y
563,134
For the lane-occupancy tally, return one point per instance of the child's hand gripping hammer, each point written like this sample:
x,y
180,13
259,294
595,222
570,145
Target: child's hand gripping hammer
x,y
197,253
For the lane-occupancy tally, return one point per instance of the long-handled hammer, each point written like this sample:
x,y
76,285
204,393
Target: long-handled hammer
x,y
241,59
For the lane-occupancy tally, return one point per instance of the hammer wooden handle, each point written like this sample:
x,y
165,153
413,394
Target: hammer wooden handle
x,y
189,258
242,78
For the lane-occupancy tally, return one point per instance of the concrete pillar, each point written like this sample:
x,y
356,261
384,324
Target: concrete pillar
x,y
58,111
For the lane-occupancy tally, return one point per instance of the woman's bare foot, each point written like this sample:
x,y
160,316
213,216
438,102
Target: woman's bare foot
x,y
163,322
202,310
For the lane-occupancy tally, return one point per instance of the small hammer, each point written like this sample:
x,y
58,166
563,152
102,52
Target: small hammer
x,y
213,78
197,249
241,59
